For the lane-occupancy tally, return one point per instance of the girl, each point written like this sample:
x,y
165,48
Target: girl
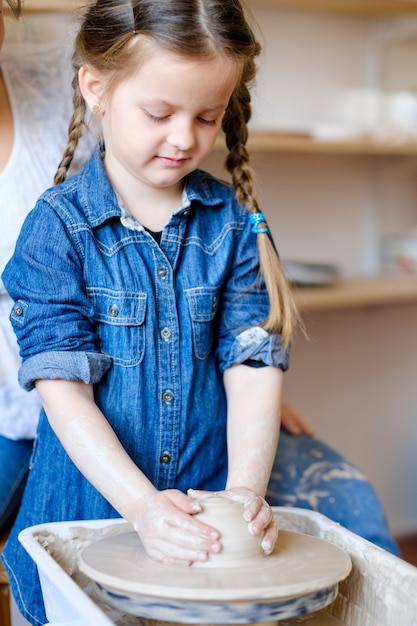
x,y
140,305
150,306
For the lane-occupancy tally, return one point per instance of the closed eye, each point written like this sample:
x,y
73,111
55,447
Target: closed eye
x,y
157,118
207,122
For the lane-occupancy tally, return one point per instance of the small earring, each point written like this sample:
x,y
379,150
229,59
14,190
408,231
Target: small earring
x,y
96,109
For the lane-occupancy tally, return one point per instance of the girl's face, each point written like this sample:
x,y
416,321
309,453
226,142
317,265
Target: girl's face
x,y
161,123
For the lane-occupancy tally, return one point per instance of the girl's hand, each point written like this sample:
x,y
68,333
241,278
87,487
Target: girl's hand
x,y
256,511
170,533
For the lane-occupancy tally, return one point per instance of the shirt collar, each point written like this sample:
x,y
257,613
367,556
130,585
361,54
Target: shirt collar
x,y
100,201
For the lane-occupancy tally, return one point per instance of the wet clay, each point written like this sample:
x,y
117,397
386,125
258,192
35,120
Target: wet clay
x,y
239,547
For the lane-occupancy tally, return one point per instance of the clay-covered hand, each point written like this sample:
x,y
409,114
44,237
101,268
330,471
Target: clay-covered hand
x,y
293,422
256,511
170,533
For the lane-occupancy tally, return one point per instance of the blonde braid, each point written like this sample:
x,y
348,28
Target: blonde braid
x,y
283,315
75,130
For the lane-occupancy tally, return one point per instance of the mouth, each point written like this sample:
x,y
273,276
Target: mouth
x,y
172,162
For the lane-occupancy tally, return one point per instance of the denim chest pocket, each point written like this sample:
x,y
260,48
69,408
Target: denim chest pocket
x,y
203,304
120,318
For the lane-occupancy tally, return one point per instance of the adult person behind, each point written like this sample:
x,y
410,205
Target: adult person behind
x,y
35,106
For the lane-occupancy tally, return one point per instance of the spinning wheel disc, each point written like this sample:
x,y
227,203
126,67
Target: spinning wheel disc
x,y
300,576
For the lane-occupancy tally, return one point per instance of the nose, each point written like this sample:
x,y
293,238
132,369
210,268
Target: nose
x,y
182,135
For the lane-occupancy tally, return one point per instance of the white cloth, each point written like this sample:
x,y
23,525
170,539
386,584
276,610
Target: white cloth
x,y
38,82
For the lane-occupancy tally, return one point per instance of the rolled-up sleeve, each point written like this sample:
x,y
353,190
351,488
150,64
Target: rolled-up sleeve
x,y
52,316
89,367
262,346
245,305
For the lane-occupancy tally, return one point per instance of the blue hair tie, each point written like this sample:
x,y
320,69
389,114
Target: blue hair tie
x,y
256,219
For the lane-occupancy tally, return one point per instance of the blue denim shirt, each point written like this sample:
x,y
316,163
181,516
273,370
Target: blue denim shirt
x,y
153,327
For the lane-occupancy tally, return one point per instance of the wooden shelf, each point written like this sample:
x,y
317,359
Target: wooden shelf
x,y
281,142
355,293
359,7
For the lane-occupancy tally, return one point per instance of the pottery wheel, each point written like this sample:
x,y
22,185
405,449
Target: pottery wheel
x,y
300,576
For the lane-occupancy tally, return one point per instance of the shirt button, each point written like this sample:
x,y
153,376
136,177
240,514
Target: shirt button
x,y
18,310
214,304
113,311
186,213
166,333
165,457
168,396
162,272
